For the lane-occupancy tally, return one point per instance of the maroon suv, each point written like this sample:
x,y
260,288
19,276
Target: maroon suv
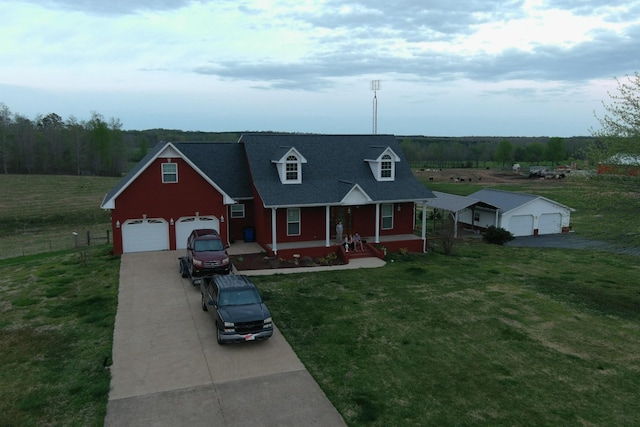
x,y
206,254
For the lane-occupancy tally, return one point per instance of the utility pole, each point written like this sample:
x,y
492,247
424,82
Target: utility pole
x,y
375,87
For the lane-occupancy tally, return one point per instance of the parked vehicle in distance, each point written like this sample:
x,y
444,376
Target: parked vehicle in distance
x,y
237,309
206,254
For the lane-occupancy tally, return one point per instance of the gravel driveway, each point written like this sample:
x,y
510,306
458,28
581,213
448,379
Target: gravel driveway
x,y
570,241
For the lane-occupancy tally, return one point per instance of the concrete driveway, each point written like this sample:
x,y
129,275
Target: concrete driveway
x,y
168,369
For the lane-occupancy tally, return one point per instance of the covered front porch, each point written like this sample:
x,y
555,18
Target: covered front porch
x,y
318,248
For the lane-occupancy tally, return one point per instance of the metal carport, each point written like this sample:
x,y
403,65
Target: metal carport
x,y
456,204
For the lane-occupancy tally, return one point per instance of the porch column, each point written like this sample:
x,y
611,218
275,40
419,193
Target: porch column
x,y
497,218
327,223
455,223
376,238
274,239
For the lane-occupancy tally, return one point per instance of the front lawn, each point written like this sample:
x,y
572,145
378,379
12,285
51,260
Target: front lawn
x,y
489,336
56,332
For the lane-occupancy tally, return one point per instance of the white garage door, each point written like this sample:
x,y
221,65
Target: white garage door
x,y
142,235
521,225
185,225
550,223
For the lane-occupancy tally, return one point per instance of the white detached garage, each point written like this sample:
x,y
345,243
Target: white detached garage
x,y
521,214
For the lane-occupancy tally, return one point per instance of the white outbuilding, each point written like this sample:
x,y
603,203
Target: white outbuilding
x,y
519,213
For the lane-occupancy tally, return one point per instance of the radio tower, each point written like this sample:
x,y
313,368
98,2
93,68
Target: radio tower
x,y
375,87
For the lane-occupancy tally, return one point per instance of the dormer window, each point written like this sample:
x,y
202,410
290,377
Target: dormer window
x,y
289,162
382,161
386,167
292,168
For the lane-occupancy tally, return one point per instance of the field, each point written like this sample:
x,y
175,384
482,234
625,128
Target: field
x,y
488,335
606,207
40,213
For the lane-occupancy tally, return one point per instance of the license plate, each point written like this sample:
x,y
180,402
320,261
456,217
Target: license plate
x,y
249,337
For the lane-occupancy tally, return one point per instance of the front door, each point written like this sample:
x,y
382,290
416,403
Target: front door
x,y
341,213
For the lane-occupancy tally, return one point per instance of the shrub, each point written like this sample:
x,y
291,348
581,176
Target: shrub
x,y
497,236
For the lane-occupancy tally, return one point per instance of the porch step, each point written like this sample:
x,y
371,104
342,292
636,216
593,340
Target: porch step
x,y
366,253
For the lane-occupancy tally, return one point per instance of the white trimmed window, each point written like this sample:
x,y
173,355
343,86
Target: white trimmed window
x,y
387,216
169,172
386,167
292,169
237,211
293,221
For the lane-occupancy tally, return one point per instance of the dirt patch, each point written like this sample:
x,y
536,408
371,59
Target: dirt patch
x,y
479,176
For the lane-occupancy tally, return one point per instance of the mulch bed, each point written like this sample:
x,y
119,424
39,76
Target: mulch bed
x,y
263,262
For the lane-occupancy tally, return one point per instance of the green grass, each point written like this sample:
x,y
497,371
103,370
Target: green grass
x,y
489,336
56,331
39,213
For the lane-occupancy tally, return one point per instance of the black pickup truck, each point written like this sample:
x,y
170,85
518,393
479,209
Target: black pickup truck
x,y
237,308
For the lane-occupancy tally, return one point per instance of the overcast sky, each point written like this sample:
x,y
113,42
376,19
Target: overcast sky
x,y
446,67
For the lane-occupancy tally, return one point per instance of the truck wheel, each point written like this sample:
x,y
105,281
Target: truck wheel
x,y
219,335
183,268
204,304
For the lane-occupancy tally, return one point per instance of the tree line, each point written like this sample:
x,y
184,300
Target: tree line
x,y
50,145
475,152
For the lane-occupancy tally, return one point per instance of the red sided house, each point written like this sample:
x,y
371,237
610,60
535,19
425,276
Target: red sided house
x,y
285,191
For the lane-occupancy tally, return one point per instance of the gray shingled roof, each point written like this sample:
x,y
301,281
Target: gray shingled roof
x,y
223,162
335,164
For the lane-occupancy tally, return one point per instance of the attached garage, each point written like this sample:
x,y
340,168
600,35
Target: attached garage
x,y
145,234
185,225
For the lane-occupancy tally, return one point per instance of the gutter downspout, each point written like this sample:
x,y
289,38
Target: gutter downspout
x,y
377,236
274,239
424,227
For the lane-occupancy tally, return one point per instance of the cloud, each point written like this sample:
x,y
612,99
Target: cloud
x,y
467,54
111,7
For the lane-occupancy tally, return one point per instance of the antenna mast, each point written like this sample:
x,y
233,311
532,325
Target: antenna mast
x,y
375,87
